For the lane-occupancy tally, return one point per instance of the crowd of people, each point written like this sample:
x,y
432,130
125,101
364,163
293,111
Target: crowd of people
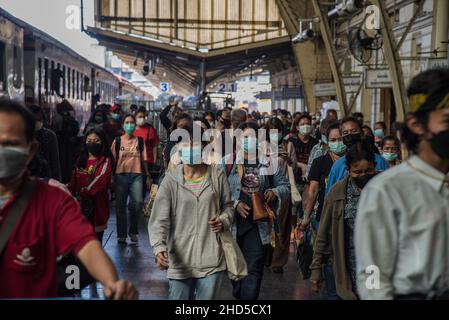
x,y
376,198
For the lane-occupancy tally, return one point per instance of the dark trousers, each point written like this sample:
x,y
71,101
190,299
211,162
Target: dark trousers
x,y
255,254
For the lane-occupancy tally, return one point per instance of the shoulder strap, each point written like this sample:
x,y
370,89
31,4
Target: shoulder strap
x,y
140,143
118,142
16,212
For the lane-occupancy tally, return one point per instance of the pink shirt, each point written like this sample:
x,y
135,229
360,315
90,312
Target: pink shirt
x,y
129,160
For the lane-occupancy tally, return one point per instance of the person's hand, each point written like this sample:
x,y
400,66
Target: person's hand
x,y
162,260
243,209
121,290
269,196
304,223
315,285
216,225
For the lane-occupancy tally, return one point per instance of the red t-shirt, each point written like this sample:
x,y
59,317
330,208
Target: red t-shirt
x,y
51,224
151,139
96,186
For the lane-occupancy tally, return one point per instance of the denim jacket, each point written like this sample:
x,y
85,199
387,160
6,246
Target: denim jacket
x,y
281,188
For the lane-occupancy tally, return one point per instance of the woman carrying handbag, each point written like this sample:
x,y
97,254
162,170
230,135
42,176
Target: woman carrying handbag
x,y
258,196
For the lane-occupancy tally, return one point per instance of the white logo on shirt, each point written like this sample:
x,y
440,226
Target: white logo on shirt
x,y
25,258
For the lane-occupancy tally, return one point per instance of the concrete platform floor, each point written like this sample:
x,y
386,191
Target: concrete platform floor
x,y
135,262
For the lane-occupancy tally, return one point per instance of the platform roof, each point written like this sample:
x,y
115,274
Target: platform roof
x,y
228,35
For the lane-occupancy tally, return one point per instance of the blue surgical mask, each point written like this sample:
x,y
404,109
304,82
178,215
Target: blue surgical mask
x,y
129,128
379,133
191,155
250,144
275,137
323,139
390,156
337,147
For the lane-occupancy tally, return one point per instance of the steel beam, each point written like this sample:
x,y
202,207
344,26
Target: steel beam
x,y
393,60
304,52
410,24
332,56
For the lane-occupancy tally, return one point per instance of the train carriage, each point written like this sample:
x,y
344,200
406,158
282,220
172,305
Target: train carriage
x,y
11,57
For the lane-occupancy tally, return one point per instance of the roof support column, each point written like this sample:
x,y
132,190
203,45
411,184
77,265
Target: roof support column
x,y
311,58
393,61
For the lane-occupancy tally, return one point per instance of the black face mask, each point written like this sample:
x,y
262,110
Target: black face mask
x,y
361,181
440,144
94,149
351,139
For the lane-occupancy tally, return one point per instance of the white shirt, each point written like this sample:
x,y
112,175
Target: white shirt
x,y
402,228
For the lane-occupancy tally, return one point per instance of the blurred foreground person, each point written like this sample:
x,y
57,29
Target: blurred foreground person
x,y
40,222
401,229
185,221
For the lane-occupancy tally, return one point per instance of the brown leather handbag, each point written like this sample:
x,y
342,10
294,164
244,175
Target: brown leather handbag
x,y
261,209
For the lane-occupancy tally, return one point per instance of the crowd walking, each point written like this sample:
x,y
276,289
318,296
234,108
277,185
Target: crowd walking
x,y
230,194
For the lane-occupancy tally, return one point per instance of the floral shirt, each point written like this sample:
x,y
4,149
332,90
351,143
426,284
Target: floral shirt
x,y
352,201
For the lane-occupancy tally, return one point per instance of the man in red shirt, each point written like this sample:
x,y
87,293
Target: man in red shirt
x,y
149,135
50,225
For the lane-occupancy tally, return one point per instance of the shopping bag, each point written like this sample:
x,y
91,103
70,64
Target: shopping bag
x,y
235,261
304,252
150,202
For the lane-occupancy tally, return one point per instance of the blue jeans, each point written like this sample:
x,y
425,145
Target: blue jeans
x,y
328,272
329,280
128,185
255,255
206,288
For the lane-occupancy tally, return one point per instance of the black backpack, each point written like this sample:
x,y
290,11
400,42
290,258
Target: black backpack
x,y
118,143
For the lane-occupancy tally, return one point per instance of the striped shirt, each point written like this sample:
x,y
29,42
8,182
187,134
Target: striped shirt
x,y
195,184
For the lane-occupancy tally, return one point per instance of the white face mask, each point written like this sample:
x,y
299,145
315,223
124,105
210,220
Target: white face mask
x,y
140,121
305,130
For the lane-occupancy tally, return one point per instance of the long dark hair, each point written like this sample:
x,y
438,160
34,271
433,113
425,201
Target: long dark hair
x,y
84,154
275,123
360,151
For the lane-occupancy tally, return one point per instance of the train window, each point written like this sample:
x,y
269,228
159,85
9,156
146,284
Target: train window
x,y
46,77
77,96
17,67
52,85
2,66
39,80
81,87
73,84
64,82
69,84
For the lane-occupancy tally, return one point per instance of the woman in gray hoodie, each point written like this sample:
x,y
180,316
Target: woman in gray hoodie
x,y
185,221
